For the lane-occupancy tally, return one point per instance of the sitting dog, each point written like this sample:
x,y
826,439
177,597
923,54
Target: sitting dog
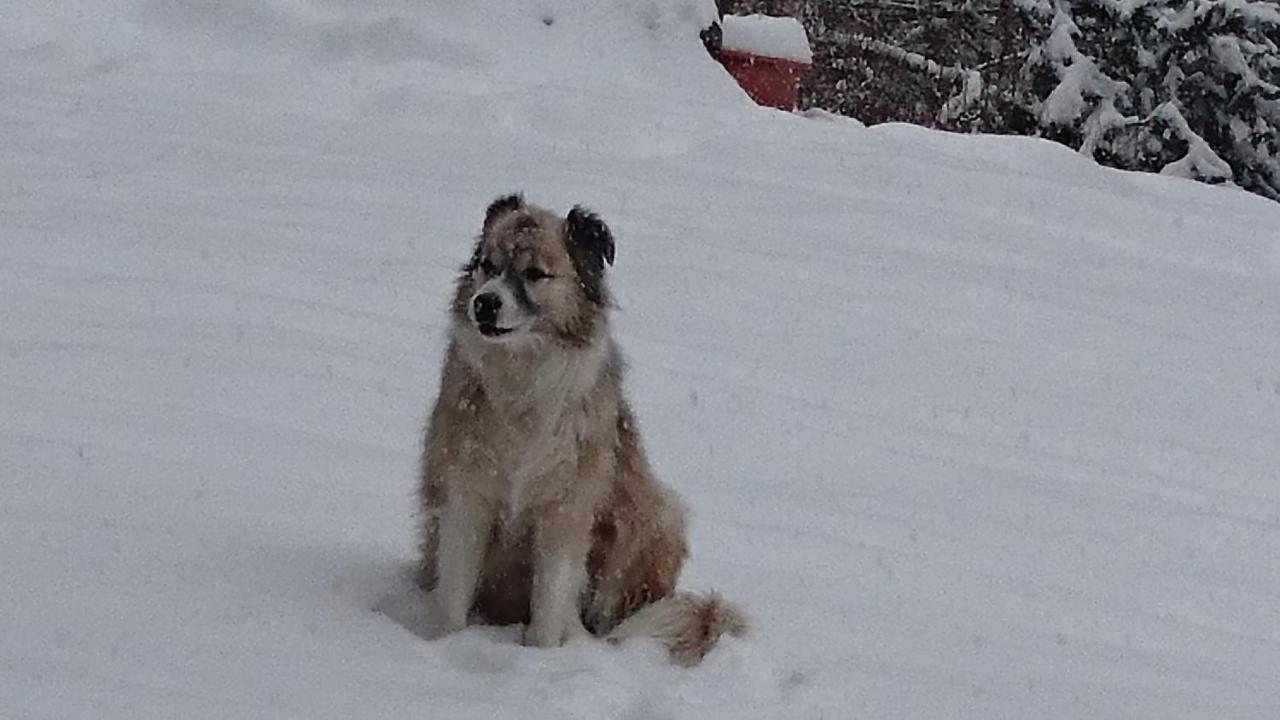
x,y
538,503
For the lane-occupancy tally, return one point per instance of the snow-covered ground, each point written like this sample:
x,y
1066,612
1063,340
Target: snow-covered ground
x,y
973,428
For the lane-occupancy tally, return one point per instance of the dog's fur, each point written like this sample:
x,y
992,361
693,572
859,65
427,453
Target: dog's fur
x,y
537,500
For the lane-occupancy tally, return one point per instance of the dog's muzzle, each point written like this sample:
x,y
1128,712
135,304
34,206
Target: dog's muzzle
x,y
485,308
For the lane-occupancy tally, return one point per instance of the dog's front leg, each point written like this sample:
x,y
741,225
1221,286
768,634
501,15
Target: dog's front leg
x,y
561,541
465,527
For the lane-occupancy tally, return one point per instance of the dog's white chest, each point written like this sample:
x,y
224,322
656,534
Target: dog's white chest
x,y
539,413
529,470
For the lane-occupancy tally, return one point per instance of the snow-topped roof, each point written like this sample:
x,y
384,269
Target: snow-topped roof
x,y
776,37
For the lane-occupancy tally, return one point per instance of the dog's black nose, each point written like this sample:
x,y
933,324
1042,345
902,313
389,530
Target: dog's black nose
x,y
486,307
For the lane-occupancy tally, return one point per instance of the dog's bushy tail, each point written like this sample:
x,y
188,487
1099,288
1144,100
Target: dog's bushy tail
x,y
688,623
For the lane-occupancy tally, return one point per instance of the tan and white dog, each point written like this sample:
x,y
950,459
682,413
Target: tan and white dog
x,y
538,503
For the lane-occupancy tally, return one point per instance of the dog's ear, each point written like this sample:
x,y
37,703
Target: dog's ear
x,y
474,261
500,207
590,246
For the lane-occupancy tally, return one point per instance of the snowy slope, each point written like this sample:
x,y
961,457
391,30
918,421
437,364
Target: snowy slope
x,y
974,428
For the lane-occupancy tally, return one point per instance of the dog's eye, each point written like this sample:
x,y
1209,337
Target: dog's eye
x,y
534,274
487,267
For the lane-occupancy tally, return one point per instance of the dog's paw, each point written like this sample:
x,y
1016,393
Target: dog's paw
x,y
548,635
545,636
440,623
439,629
542,637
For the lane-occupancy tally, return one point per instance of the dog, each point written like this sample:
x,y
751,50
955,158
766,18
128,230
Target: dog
x,y
538,504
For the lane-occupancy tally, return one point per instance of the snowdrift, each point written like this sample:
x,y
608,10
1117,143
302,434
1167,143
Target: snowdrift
x,y
973,427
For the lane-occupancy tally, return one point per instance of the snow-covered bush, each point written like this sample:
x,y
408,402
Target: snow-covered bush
x,y
946,63
1185,87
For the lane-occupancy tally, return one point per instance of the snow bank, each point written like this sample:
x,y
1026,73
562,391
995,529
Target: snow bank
x,y
776,37
972,427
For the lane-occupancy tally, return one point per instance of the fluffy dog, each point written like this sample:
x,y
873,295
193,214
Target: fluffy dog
x,y
538,503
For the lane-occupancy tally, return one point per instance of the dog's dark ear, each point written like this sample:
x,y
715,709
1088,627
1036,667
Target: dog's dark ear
x,y
590,246
474,261
500,207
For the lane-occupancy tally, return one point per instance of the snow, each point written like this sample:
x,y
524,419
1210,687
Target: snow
x,y
1262,11
1200,162
1229,54
1080,79
972,427
765,36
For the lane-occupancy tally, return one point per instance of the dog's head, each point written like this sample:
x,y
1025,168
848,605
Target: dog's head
x,y
535,275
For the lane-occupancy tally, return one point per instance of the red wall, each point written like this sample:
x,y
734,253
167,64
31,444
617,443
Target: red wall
x,y
769,81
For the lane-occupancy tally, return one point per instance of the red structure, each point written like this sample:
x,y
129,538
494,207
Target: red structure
x,y
766,55
769,81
